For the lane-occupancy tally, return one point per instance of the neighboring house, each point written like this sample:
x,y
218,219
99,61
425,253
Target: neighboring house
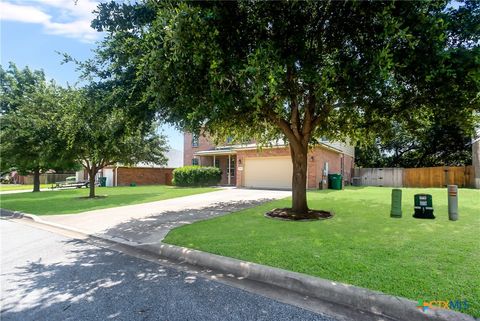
x,y
140,174
271,167
175,158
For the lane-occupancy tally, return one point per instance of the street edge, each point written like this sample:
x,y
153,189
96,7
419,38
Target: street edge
x,y
374,302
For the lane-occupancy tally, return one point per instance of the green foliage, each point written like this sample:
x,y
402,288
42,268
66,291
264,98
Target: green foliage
x,y
435,143
297,70
331,69
196,176
17,84
30,121
100,133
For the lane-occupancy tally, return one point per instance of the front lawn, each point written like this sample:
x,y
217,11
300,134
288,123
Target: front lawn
x,y
74,201
17,187
361,245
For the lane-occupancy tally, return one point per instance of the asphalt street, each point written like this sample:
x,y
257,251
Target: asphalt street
x,y
45,276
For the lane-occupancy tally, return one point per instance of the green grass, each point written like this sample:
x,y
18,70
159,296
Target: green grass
x,y
74,201
15,187
417,259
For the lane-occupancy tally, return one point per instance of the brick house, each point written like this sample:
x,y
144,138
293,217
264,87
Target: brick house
x,y
141,174
247,166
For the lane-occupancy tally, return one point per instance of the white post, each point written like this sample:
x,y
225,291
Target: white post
x,y
452,191
228,172
213,160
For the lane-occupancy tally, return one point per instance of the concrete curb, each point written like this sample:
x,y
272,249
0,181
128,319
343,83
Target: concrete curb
x,y
362,299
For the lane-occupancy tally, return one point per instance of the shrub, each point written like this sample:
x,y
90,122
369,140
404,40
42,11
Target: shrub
x,y
196,176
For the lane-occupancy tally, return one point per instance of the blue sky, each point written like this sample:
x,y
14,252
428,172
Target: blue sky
x,y
33,30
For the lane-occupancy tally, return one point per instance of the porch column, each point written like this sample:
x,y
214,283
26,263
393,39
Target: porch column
x,y
213,160
228,172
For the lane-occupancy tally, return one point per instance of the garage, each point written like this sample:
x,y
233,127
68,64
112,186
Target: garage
x,y
268,172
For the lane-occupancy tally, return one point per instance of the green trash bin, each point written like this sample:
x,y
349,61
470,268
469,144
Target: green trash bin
x,y
103,181
335,181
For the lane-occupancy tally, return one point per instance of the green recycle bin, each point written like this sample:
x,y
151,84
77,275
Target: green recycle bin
x,y
103,181
335,181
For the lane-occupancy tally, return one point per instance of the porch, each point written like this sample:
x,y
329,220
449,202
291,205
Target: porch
x,y
225,160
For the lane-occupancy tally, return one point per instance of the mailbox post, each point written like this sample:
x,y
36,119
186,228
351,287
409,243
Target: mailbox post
x,y
452,202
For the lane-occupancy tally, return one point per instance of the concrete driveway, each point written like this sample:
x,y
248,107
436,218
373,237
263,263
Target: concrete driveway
x,y
150,222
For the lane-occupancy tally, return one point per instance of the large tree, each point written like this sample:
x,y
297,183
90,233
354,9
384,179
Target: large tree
x,y
293,70
99,134
435,143
30,141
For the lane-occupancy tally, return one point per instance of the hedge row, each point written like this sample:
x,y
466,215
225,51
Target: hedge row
x,y
196,176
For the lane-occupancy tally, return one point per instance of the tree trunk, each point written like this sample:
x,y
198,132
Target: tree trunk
x,y
36,180
299,179
91,177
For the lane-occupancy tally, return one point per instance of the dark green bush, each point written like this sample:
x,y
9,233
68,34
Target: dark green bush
x,y
196,176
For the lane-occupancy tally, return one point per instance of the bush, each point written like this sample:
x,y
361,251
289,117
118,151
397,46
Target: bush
x,y
196,176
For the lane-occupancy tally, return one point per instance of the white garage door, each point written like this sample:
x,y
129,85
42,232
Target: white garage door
x,y
268,172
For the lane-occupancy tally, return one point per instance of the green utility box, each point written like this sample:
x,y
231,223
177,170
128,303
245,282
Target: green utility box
x,y
103,181
335,181
396,209
423,206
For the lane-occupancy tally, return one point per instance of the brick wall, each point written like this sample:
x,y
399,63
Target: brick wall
x,y
188,150
320,157
144,176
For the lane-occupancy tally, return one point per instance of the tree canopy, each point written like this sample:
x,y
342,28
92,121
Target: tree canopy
x,y
44,126
30,140
294,70
99,134
433,144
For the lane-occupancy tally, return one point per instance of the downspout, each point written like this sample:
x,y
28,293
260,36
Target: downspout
x,y
116,175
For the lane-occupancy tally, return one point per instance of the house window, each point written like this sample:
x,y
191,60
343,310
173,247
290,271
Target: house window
x,y
194,161
195,141
217,163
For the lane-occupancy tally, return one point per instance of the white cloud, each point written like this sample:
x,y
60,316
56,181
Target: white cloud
x,y
67,18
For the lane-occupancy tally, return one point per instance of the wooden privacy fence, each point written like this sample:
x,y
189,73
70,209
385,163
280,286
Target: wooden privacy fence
x,y
462,176
438,176
48,178
392,177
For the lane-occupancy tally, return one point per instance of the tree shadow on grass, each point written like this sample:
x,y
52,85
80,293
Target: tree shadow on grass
x,y
154,228
90,283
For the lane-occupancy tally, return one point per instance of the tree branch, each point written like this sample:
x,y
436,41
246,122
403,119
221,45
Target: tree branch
x,y
282,123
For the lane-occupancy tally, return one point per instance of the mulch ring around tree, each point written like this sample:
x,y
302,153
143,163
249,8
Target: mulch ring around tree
x,y
90,198
289,215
